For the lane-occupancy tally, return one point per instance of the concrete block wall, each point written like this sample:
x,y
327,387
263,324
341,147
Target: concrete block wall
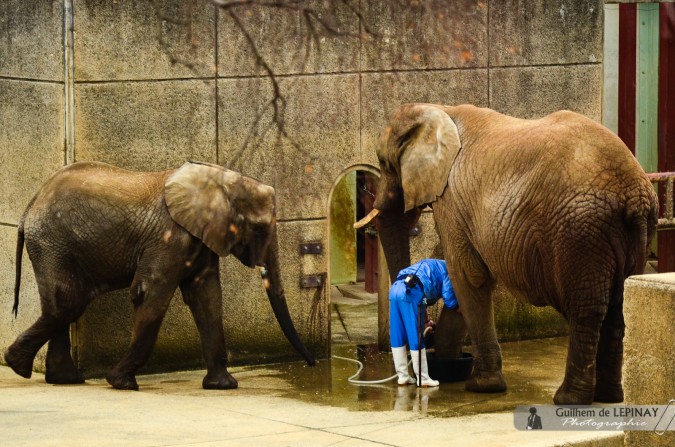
x,y
154,84
32,132
649,349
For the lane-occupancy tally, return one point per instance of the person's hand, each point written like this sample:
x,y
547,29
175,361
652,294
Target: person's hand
x,y
429,327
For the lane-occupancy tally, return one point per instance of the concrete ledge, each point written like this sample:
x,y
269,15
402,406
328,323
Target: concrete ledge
x,y
649,348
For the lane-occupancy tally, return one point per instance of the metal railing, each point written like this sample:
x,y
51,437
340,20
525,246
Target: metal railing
x,y
666,220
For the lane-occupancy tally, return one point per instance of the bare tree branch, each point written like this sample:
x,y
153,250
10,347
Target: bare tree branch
x,y
316,28
317,23
297,6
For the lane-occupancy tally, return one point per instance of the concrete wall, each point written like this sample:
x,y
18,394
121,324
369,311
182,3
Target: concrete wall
x,y
149,85
649,351
32,134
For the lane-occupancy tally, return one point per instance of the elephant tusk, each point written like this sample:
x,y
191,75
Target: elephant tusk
x,y
366,220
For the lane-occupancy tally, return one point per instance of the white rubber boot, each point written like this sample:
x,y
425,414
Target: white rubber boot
x,y
424,374
401,365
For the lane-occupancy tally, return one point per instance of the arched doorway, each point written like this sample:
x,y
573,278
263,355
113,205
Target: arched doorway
x,y
355,265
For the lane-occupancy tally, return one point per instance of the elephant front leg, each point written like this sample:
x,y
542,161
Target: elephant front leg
x,y
204,297
449,335
150,304
579,383
486,375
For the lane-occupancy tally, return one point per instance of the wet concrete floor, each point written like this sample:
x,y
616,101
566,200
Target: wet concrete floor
x,y
533,370
293,404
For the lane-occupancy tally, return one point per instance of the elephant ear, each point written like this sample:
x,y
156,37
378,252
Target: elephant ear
x,y
428,142
213,203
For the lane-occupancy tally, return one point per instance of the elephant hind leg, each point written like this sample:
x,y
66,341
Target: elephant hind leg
x,y
70,302
609,357
20,355
60,366
579,383
60,307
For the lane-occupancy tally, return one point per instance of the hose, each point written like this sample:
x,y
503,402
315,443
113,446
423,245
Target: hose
x,y
352,379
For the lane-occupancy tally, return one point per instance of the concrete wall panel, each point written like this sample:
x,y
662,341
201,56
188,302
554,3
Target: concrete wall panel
x,y
104,334
538,32
31,39
143,40
518,320
537,91
31,142
425,34
283,38
253,334
321,119
146,125
649,351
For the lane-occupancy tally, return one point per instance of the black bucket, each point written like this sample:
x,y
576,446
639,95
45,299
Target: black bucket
x,y
450,370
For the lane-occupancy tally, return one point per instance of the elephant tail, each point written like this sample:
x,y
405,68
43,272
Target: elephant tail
x,y
19,256
642,229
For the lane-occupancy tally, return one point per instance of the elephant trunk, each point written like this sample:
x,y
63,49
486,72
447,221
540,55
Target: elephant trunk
x,y
393,224
393,229
277,297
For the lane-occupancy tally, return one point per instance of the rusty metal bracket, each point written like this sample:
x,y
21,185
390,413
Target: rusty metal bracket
x,y
311,248
311,281
666,220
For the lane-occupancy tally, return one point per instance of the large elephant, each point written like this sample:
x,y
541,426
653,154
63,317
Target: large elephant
x,y
93,228
556,209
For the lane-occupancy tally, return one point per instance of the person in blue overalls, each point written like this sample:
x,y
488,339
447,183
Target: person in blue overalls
x,y
424,282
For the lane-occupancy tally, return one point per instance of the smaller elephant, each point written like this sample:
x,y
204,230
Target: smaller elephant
x,y
93,228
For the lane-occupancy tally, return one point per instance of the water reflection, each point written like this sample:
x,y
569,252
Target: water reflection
x,y
533,370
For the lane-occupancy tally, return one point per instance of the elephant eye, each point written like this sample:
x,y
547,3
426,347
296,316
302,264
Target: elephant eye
x,y
260,232
407,137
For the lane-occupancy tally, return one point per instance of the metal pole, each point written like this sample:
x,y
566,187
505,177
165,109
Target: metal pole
x,y
420,323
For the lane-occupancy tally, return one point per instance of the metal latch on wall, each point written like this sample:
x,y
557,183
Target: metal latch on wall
x,y
311,281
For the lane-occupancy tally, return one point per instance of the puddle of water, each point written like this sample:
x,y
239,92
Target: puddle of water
x,y
533,371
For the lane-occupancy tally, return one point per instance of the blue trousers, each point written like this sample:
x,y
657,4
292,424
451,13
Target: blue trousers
x,y
404,316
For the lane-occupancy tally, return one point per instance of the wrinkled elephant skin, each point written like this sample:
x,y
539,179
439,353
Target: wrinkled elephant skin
x,y
557,210
93,228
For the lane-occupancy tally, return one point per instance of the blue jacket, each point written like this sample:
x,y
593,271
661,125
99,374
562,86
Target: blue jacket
x,y
434,276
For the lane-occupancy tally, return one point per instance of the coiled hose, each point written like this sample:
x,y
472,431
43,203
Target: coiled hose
x,y
354,381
